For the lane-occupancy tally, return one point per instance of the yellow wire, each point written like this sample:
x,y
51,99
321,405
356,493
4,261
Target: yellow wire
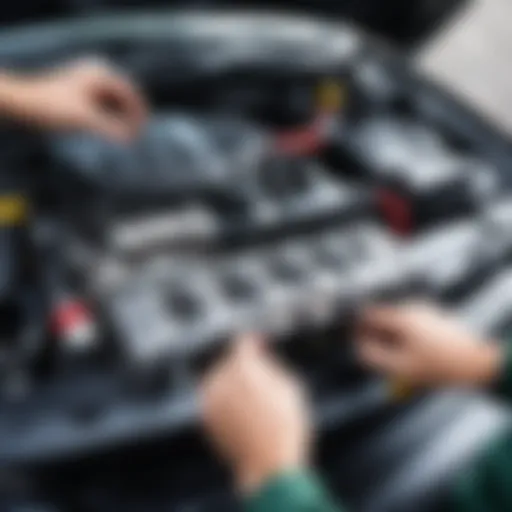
x,y
331,95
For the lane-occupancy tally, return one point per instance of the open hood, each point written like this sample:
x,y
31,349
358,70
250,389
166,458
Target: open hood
x,y
403,22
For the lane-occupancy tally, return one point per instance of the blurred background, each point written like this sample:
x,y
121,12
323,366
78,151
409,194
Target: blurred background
x,y
471,56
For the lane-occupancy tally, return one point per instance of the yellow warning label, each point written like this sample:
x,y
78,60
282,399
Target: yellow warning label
x,y
13,210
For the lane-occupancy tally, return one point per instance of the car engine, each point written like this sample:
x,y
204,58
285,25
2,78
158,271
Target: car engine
x,y
281,185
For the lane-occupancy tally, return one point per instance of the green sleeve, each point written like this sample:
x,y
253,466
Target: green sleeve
x,y
292,492
504,385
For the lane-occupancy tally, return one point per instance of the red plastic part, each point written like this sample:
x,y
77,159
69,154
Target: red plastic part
x,y
397,211
68,315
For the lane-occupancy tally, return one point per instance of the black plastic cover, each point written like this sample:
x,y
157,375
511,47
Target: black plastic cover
x,y
401,21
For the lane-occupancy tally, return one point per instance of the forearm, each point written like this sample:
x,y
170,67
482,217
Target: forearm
x,y
292,492
13,92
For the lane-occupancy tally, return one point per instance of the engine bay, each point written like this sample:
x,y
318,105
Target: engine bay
x,y
282,183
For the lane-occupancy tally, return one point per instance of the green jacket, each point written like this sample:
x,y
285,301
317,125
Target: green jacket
x,y
486,488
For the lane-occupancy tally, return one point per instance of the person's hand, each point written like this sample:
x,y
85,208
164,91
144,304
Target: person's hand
x,y
255,414
86,96
420,345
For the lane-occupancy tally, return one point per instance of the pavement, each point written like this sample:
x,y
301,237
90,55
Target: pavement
x,y
472,56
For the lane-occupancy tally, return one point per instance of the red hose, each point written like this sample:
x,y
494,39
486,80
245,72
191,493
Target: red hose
x,y
303,141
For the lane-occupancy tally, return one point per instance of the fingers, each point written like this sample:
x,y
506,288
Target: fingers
x,y
104,123
233,379
118,109
248,346
386,319
245,351
379,356
125,100
383,339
